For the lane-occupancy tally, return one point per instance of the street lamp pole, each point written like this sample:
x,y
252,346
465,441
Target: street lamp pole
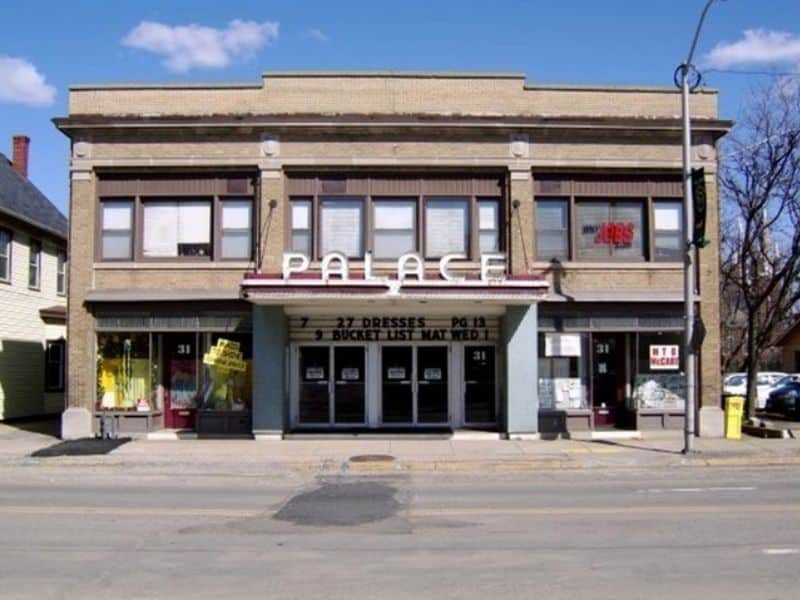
x,y
686,72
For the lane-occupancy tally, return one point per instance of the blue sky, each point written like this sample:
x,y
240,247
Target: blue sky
x,y
45,46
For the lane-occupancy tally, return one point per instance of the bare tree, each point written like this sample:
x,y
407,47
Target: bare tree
x,y
760,187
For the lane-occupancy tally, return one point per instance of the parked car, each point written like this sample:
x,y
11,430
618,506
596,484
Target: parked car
x,y
736,385
785,400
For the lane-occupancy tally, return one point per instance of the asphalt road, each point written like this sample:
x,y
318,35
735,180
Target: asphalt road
x,y
687,533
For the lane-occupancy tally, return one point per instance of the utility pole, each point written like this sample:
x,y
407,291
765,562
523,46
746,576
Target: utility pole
x,y
687,79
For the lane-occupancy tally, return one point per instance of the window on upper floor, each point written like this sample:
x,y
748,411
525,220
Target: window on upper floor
x,y
61,274
552,229
608,217
5,255
394,227
178,228
116,230
35,265
668,243
609,230
342,226
489,224
395,214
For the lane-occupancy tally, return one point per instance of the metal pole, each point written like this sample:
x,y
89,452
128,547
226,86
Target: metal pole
x,y
688,278
688,223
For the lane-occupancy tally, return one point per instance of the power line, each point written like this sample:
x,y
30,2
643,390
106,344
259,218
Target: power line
x,y
768,73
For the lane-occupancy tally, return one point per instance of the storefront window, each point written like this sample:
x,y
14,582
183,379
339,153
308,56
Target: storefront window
x,y
660,380
123,372
563,373
227,372
609,230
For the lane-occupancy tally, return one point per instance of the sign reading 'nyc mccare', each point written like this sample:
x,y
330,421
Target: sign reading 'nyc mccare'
x,y
336,267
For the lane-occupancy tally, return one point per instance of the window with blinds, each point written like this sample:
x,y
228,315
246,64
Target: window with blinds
x,y
176,228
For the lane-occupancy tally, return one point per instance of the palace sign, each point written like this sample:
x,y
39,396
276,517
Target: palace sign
x,y
336,267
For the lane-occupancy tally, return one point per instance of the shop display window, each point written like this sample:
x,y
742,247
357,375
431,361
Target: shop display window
x,y
124,372
563,372
227,372
660,381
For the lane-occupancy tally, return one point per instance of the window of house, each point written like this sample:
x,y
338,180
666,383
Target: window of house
x,y
54,365
342,226
301,227
489,225
394,227
5,255
117,230
668,244
236,229
552,229
35,265
610,229
447,226
175,228
61,274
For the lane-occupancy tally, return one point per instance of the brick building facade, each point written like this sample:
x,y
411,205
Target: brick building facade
x,y
481,253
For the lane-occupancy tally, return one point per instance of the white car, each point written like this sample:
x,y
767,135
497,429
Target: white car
x,y
736,385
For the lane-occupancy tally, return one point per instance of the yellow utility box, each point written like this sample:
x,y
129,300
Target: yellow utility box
x,y
734,410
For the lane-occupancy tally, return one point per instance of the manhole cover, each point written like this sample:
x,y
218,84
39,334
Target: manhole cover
x,y
372,458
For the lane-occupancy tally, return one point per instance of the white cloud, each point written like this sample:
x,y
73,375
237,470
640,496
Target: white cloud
x,y
185,47
318,35
757,47
21,82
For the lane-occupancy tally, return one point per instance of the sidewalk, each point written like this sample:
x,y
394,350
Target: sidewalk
x,y
248,457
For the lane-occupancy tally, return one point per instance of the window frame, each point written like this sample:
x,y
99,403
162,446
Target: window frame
x,y
308,200
500,229
372,230
6,277
313,189
35,266
218,233
364,227
137,202
131,201
568,229
48,384
61,273
654,235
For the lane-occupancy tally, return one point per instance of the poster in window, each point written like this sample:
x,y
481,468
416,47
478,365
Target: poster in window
x,y
562,344
350,374
315,373
432,374
395,373
664,357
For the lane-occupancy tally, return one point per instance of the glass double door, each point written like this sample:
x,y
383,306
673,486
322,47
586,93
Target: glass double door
x,y
332,385
414,385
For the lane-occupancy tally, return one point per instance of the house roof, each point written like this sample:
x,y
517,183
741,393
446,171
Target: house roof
x,y
785,335
22,200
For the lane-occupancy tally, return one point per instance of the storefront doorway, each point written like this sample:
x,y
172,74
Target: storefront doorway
x,y
414,385
608,379
422,385
180,379
332,385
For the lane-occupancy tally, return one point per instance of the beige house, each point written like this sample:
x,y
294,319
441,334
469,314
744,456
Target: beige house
x,y
33,264
384,252
789,344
